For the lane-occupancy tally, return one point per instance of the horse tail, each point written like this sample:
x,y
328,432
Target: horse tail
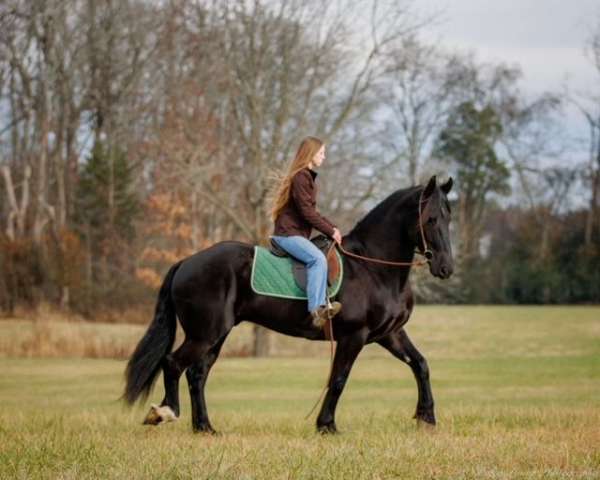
x,y
145,363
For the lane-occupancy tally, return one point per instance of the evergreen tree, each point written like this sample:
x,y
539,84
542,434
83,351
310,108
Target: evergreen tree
x,y
106,199
467,143
107,207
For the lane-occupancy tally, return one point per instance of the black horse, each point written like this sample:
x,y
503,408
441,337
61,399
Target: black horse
x,y
210,293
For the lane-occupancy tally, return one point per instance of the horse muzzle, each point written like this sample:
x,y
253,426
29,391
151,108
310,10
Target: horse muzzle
x,y
441,267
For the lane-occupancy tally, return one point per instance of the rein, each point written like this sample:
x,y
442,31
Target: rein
x,y
428,254
417,263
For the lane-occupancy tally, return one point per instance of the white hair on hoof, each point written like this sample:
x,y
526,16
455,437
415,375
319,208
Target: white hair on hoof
x,y
158,415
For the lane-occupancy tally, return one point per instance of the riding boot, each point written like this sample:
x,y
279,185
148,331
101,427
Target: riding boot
x,y
321,314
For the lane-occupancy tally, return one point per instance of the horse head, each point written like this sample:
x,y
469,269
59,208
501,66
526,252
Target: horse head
x,y
433,233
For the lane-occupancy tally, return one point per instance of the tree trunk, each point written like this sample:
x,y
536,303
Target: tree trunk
x,y
65,298
544,252
17,214
591,214
42,208
466,234
261,341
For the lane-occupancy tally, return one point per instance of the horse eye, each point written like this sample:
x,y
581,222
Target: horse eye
x,y
432,220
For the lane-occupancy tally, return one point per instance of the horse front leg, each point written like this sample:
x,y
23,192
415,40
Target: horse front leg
x,y
399,345
346,352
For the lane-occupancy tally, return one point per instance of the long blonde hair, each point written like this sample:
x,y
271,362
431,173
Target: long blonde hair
x,y
306,151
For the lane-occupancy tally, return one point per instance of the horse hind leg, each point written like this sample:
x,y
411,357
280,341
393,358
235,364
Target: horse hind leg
x,y
173,366
197,374
206,320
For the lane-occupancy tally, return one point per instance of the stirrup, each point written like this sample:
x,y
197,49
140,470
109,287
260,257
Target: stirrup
x,y
324,313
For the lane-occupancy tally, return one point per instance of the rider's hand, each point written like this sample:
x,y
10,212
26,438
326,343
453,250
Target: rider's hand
x,y
337,236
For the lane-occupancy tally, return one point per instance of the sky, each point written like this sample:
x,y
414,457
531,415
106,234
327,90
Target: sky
x,y
545,37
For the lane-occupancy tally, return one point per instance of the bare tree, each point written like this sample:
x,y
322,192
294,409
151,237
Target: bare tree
x,y
19,98
49,52
265,74
533,143
589,106
417,99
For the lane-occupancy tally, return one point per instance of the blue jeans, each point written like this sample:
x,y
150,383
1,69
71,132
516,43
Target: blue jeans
x,y
316,279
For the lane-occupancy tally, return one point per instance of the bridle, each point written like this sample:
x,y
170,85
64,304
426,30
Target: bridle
x,y
427,253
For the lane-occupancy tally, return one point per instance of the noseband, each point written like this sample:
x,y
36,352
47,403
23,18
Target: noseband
x,y
428,254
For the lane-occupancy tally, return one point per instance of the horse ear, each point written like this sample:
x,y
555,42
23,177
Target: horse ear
x,y
429,189
446,187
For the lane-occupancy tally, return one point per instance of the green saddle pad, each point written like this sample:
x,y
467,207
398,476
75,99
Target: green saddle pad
x,y
272,276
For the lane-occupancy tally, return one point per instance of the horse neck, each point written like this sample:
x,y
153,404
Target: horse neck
x,y
387,234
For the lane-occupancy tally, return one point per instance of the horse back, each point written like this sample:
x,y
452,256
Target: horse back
x,y
212,272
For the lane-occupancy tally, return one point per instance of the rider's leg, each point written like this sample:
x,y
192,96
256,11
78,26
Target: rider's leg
x,y
316,263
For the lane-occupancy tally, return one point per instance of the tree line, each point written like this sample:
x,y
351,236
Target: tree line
x,y
134,133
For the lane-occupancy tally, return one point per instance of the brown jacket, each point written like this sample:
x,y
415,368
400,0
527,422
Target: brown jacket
x,y
300,215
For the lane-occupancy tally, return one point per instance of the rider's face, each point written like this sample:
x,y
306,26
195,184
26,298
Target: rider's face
x,y
319,157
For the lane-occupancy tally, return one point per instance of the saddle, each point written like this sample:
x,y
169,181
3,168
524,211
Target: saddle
x,y
323,243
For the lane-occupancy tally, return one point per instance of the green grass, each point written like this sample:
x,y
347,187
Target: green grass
x,y
517,396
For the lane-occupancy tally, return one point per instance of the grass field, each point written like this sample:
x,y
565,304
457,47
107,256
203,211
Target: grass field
x,y
517,394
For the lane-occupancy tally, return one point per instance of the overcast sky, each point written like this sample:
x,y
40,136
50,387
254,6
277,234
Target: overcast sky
x,y
545,37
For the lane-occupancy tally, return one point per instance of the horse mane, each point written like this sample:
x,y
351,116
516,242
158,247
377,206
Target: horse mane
x,y
377,214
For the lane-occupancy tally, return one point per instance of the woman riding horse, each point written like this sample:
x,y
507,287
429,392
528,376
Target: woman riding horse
x,y
210,293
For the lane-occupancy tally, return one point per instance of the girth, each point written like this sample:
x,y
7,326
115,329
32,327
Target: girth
x,y
323,243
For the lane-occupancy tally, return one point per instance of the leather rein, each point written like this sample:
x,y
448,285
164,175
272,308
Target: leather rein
x,y
428,254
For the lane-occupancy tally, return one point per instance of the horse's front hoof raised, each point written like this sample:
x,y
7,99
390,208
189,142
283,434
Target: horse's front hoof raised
x,y
328,428
158,415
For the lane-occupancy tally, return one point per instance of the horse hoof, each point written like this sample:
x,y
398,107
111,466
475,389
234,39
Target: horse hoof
x,y
423,425
425,419
158,415
327,429
206,429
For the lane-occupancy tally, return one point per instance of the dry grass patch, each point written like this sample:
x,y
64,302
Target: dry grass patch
x,y
446,331
60,419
